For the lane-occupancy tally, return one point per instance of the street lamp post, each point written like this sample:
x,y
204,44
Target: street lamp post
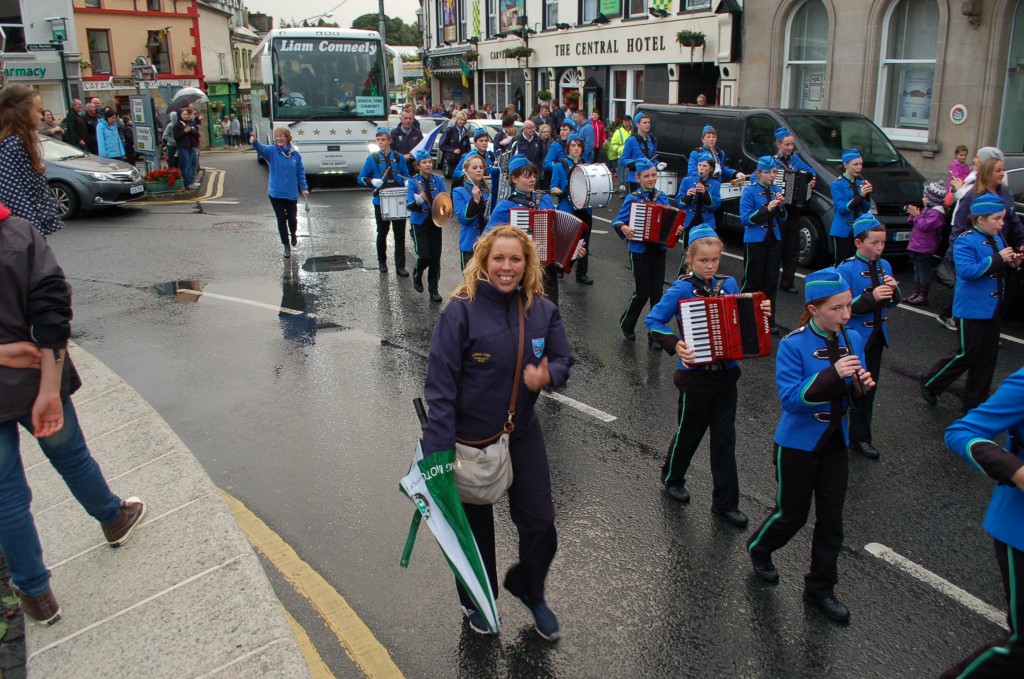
x,y
59,34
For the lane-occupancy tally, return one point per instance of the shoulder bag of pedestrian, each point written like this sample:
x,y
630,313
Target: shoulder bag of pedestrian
x,y
483,469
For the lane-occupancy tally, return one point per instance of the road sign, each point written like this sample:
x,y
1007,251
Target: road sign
x,y
40,47
122,81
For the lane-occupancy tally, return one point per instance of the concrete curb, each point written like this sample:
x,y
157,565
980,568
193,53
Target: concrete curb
x,y
187,596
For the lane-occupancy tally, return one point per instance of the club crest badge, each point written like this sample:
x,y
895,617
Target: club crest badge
x,y
538,347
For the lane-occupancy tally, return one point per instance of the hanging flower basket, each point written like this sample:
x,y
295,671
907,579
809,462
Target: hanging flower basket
x,y
572,100
693,40
544,95
519,52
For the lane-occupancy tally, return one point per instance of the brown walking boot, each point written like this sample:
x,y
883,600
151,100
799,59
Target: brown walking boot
x,y
120,529
44,608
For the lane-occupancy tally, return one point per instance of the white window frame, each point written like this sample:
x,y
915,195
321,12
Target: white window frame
x,y
492,17
884,74
464,11
439,38
98,69
631,101
628,9
697,5
550,13
594,5
501,82
222,63
790,97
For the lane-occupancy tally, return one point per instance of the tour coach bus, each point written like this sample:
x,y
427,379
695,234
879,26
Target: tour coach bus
x,y
821,136
329,86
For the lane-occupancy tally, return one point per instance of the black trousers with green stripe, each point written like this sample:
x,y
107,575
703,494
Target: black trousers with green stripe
x,y
649,278
426,239
697,414
803,475
976,355
1004,657
761,262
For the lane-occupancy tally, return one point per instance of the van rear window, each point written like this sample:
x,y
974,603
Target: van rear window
x,y
827,136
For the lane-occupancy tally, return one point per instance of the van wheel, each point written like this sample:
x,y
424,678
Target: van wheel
x,y
812,241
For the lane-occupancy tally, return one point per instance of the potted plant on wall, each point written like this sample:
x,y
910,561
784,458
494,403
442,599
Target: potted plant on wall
x,y
471,56
189,62
693,40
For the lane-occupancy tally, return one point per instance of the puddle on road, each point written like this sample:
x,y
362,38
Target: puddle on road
x,y
332,262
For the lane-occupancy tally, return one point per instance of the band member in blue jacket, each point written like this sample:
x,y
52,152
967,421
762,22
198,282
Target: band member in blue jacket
x,y
426,237
470,377
480,142
647,260
707,392
817,373
469,202
851,198
557,150
973,438
981,257
386,169
789,159
561,170
762,212
641,146
699,196
709,141
874,290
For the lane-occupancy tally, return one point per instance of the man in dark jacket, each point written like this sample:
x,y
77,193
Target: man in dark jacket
x,y
405,137
76,130
528,143
36,383
92,119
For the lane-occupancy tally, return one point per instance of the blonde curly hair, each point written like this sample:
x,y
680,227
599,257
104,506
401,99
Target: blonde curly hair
x,y
476,269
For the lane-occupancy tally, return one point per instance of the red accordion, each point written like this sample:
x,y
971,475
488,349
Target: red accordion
x,y
556,234
656,224
726,328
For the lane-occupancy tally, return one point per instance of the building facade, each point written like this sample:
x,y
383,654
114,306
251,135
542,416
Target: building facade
x,y
221,83
603,54
27,24
932,73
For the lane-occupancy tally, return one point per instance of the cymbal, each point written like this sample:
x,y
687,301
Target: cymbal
x,y
441,209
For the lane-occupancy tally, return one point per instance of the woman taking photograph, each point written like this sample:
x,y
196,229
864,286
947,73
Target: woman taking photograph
x,y
23,187
469,398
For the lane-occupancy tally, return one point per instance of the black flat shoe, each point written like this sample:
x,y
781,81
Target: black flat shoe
x,y
434,297
930,397
629,334
765,570
417,285
295,240
829,605
383,268
865,449
402,273
735,517
678,492
584,279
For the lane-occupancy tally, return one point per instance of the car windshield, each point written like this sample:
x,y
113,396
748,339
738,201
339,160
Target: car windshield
x,y
493,127
827,136
58,150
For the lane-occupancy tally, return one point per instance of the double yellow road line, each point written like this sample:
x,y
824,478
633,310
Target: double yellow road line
x,y
214,190
355,637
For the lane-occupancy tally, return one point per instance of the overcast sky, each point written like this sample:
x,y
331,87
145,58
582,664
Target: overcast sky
x,y
343,15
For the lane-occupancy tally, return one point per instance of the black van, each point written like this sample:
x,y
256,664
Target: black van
x,y
821,136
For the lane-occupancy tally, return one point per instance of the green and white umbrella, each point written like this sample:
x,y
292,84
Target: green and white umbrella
x,y
430,484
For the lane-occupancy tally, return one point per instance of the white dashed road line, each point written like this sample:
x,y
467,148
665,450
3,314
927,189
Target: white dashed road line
x,y
582,407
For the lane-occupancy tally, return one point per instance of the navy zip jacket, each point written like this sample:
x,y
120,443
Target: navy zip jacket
x,y
471,361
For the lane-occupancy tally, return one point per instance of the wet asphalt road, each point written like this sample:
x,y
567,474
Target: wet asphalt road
x,y
307,419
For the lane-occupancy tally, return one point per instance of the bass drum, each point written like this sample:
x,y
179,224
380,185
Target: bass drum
x,y
590,186
668,183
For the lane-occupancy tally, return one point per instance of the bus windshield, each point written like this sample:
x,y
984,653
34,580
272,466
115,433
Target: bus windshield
x,y
827,136
319,78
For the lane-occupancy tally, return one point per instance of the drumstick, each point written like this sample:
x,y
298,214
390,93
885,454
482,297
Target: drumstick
x,y
846,338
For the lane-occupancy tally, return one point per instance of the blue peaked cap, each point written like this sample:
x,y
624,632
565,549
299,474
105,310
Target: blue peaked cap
x,y
479,132
423,155
824,283
643,165
863,223
517,161
781,133
766,163
702,231
987,204
850,155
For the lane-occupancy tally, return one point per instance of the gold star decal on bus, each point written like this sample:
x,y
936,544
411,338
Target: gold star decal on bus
x,y
316,133
348,131
334,133
301,132
363,132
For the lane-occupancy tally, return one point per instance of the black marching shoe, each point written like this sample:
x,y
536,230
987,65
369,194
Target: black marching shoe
x,y
930,397
735,517
653,342
829,605
865,448
402,273
287,251
383,268
434,297
678,492
584,279
560,275
765,570
295,240
417,284
629,334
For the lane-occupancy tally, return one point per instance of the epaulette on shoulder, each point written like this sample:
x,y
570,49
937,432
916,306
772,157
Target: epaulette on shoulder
x,y
796,331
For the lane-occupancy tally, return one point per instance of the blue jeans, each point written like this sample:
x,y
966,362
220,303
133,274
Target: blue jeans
x,y
188,159
922,268
70,456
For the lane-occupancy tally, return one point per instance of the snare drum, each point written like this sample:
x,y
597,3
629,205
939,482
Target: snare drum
x,y
590,186
392,203
730,190
668,182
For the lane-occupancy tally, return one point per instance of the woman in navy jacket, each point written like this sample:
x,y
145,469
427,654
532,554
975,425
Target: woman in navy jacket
x,y
468,389
972,439
287,178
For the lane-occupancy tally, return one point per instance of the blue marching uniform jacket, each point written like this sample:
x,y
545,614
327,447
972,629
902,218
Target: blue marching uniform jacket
x,y
470,214
979,273
867,313
708,203
635,149
555,153
376,167
809,386
848,205
722,170
419,213
754,213
560,173
488,162
971,436
638,196
686,288
795,162
499,215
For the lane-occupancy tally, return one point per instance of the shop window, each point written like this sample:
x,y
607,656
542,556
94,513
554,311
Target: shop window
x,y
759,136
806,57
909,38
159,55
99,50
550,13
496,88
635,9
13,26
588,10
627,88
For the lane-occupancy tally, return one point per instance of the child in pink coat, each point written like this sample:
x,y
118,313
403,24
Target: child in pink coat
x,y
927,226
958,167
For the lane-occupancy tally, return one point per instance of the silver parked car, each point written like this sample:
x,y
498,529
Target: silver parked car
x,y
82,181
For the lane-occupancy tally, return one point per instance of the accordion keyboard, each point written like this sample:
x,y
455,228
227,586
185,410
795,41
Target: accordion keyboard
x,y
699,320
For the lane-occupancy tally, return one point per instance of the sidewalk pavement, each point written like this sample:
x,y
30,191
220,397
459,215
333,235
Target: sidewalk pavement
x,y
186,596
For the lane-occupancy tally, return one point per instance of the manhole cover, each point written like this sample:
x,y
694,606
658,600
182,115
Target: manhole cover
x,y
332,262
234,226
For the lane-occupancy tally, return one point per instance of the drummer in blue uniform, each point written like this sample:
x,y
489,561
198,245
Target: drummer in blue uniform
x,y
642,145
469,202
523,178
421,192
561,171
699,196
817,375
874,290
386,169
709,141
762,211
789,159
851,198
973,438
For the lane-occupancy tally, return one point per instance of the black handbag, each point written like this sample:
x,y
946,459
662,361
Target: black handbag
x,y
945,272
